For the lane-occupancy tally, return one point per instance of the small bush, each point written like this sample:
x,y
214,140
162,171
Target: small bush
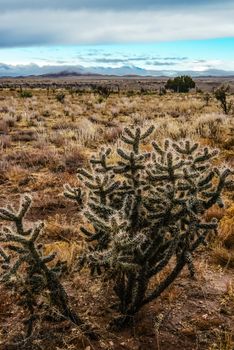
x,y
103,91
162,91
60,97
207,98
180,84
5,141
74,158
25,94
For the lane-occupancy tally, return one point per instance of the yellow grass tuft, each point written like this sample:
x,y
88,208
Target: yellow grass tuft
x,y
66,251
226,228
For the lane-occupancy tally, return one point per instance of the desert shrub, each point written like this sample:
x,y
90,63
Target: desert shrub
x,y
10,121
180,84
27,272
25,94
74,158
57,138
145,215
103,91
4,109
5,141
24,135
162,91
3,127
60,97
207,98
112,135
221,95
209,126
130,93
30,157
46,113
227,228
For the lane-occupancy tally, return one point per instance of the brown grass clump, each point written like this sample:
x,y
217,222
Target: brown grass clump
x,y
30,157
112,135
226,228
5,141
223,256
65,252
3,127
214,212
73,158
24,136
223,250
57,227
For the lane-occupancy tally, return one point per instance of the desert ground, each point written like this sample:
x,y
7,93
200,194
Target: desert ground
x,y
46,136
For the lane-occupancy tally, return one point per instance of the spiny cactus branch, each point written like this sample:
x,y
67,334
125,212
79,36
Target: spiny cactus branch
x,y
146,214
37,276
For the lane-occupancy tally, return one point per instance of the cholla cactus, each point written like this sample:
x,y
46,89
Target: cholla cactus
x,y
145,214
221,95
25,269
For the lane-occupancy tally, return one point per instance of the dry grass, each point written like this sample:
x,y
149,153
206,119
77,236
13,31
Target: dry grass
x,y
227,228
65,251
43,142
223,250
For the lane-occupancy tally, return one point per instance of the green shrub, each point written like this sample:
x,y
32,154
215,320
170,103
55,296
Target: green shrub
x,y
144,215
25,94
180,84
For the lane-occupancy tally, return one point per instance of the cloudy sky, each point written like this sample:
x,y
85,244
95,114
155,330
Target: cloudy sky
x,y
150,34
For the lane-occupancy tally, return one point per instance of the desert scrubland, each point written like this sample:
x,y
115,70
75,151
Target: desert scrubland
x,y
44,137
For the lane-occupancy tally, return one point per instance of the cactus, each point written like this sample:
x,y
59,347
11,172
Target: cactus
x,y
27,271
221,95
145,215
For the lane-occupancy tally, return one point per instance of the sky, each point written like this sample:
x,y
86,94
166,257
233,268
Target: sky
x,y
151,34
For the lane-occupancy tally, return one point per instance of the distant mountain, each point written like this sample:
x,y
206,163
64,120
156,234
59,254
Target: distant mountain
x,y
66,71
67,74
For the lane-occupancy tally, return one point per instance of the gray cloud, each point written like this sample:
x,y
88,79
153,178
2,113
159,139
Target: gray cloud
x,y
175,58
12,5
27,23
111,59
119,60
159,63
4,67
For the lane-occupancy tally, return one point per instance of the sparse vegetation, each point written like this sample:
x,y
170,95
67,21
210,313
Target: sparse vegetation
x,y
42,143
25,94
60,97
207,98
